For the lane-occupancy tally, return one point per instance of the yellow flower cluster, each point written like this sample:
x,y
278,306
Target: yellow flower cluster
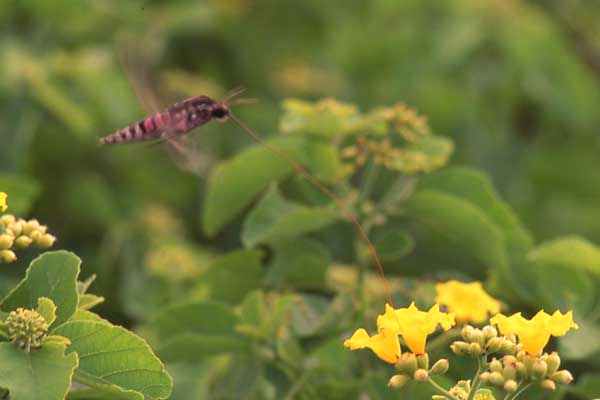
x,y
412,324
534,334
17,234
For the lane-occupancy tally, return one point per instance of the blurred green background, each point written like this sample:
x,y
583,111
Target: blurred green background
x,y
515,85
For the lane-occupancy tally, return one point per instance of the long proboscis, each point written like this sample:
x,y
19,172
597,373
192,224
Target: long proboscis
x,y
339,202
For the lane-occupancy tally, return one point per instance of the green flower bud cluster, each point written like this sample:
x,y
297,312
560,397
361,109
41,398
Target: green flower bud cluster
x,y
26,328
509,372
17,234
460,391
481,342
416,367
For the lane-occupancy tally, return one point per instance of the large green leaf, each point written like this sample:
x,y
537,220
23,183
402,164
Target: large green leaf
x,y
275,218
52,275
113,358
475,187
22,191
235,183
233,275
567,274
42,374
190,331
301,263
454,230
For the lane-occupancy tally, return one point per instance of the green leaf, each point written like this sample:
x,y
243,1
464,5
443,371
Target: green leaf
x,y
233,275
190,331
567,274
275,218
235,183
392,243
22,190
475,187
88,301
47,309
425,154
454,230
42,374
52,275
113,356
301,262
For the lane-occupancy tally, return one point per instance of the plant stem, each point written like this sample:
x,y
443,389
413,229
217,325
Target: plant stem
x,y
517,392
476,380
368,181
441,389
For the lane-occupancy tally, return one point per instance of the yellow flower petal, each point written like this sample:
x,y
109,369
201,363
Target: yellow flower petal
x,y
415,325
469,301
385,346
534,334
3,205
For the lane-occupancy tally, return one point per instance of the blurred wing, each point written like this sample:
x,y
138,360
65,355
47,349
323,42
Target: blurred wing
x,y
184,152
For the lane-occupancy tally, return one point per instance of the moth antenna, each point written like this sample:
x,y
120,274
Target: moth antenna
x,y
243,101
232,94
339,202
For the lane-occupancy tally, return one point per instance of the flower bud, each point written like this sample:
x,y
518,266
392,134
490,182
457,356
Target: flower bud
x,y
489,332
553,362
438,397
495,379
507,347
521,370
476,336
460,348
529,363
7,219
474,349
509,372
485,376
407,364
7,256
440,367
6,241
512,338
397,381
562,377
30,226
423,361
466,332
494,345
22,242
421,375
548,384
35,236
46,241
495,366
510,386
15,228
539,370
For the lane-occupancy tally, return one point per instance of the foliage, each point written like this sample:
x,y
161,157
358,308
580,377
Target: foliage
x,y
465,144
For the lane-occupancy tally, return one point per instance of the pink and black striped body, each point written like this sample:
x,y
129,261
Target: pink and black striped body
x,y
176,120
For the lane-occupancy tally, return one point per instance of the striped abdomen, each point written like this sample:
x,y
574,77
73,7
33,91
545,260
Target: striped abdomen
x,y
150,128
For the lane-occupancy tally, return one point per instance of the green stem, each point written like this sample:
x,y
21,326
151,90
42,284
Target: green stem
x,y
476,380
517,392
440,389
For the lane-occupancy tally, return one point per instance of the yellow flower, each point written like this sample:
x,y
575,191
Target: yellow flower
x,y
414,326
467,300
3,205
535,333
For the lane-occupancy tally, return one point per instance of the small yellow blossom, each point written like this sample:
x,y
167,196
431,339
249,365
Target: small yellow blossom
x,y
469,301
414,326
534,333
3,205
